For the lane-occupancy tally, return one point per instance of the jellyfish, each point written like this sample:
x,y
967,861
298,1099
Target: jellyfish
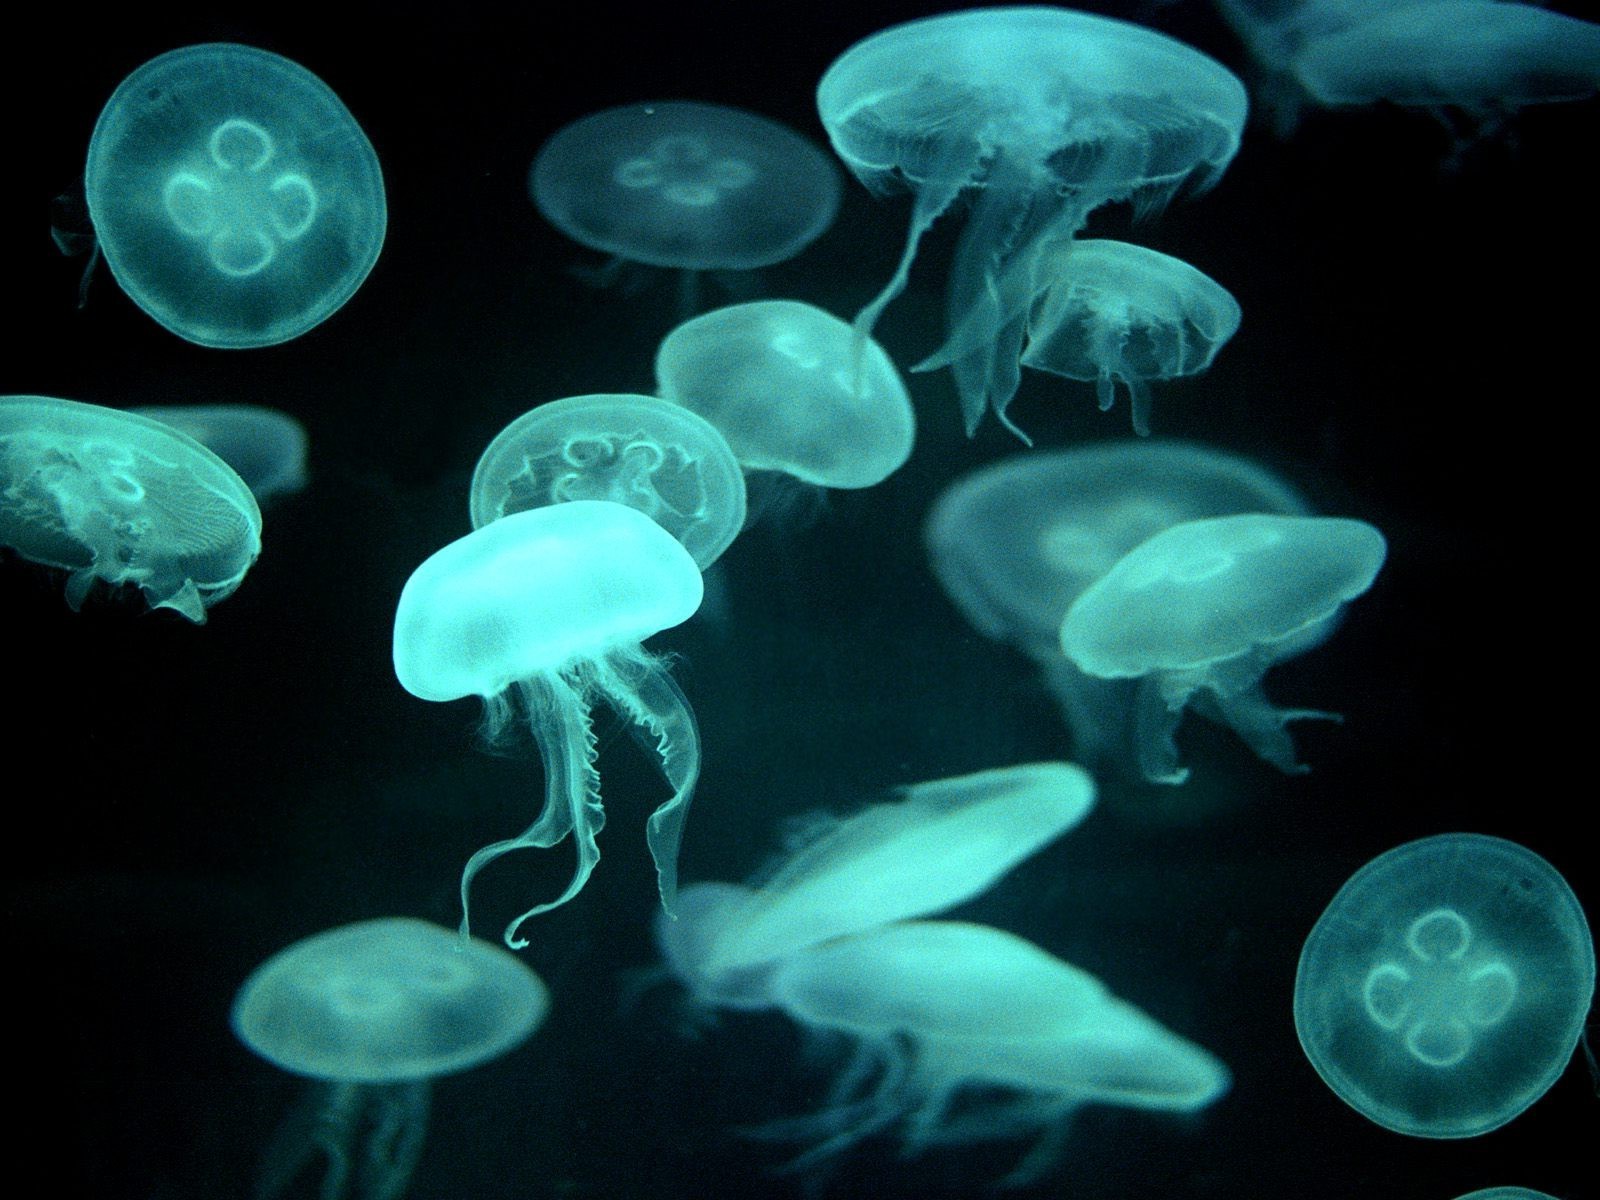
x,y
541,613
1014,543
1045,114
1200,611
783,383
234,197
1446,986
117,497
661,459
1125,314
372,1013
267,448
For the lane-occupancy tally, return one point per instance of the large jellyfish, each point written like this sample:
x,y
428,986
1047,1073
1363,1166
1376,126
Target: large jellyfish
x,y
1046,114
373,1012
121,498
235,198
1446,986
1200,611
266,447
540,613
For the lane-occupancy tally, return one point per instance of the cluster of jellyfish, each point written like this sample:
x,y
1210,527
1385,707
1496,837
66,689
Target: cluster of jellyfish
x,y
237,202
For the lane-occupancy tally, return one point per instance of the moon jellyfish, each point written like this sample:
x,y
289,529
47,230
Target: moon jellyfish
x,y
1446,986
235,198
267,448
117,497
1199,612
783,382
541,613
1124,314
1045,115
660,458
373,1013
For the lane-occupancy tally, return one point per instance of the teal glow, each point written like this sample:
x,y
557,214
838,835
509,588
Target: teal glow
x,y
657,457
540,613
1045,115
235,198
1445,988
791,390
120,498
265,447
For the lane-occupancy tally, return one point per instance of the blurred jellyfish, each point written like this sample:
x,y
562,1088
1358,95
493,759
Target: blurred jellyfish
x,y
1124,314
1046,114
118,497
267,448
783,383
541,613
657,457
235,198
373,1012
1446,986
1200,611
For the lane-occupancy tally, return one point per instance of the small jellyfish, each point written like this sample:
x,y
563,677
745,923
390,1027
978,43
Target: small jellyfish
x,y
657,457
791,391
1045,114
1120,313
121,498
373,1012
235,198
1200,611
540,613
1446,986
267,448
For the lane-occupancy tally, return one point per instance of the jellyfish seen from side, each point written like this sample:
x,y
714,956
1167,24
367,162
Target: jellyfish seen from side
x,y
541,613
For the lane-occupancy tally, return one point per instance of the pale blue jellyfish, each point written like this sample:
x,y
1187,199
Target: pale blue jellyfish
x,y
267,448
660,458
373,1012
541,613
235,198
788,387
112,496
1446,986
1044,114
1199,613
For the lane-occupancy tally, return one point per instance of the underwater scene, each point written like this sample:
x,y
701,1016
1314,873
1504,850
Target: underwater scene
x,y
822,601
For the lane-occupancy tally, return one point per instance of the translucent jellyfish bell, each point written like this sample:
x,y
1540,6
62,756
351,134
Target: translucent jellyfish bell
x,y
117,497
1200,611
374,1012
1046,114
792,391
266,447
1446,986
541,613
235,198
660,458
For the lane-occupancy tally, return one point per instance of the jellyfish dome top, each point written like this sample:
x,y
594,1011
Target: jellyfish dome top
x,y
235,198
1044,114
1125,314
267,448
688,185
660,458
1204,608
540,613
113,496
792,391
1446,986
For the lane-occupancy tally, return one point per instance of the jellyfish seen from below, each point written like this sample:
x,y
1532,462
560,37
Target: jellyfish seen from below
x,y
541,613
113,496
235,198
265,447
1120,313
373,1012
1199,612
1446,986
1045,114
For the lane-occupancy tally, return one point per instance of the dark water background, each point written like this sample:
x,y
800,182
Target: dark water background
x,y
1418,350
